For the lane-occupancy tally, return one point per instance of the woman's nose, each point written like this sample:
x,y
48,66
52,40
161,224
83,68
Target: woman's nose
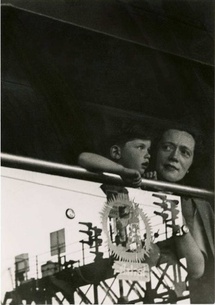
x,y
174,155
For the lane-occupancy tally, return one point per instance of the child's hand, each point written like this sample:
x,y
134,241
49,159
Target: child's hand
x,y
131,177
151,175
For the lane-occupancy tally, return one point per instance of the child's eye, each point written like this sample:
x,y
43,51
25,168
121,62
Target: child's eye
x,y
141,147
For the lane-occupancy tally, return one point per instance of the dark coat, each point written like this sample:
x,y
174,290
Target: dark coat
x,y
202,289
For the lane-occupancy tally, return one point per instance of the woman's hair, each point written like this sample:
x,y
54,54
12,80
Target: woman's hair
x,y
193,130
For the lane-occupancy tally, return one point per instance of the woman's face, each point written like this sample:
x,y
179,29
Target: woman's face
x,y
175,155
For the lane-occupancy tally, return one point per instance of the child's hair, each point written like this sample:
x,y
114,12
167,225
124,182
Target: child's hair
x,y
129,132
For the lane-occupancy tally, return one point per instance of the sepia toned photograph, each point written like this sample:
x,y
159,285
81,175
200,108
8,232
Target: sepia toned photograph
x,y
107,152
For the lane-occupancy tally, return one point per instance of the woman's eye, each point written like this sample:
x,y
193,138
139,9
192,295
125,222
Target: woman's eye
x,y
141,147
186,153
167,147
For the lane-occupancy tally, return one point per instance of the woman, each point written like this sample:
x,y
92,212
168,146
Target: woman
x,y
174,158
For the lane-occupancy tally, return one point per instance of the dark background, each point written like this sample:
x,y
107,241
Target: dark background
x,y
73,71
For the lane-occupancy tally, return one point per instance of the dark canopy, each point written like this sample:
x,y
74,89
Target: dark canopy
x,y
73,71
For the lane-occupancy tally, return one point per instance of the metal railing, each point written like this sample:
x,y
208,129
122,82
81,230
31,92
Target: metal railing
x,y
82,174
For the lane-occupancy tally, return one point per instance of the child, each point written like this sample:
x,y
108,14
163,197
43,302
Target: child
x,y
129,156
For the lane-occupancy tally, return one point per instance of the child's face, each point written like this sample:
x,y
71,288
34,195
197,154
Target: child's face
x,y
135,154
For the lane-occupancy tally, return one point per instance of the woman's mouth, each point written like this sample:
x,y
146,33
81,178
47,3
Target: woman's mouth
x,y
170,167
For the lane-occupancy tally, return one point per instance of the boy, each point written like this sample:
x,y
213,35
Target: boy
x,y
129,155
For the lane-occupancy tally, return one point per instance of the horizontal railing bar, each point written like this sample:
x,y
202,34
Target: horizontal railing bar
x,y
77,172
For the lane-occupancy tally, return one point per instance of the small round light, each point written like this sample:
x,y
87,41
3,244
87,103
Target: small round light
x,y
70,213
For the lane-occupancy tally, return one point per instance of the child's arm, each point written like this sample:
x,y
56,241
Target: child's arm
x,y
97,163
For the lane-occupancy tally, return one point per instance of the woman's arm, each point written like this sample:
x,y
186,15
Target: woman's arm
x,y
97,163
187,247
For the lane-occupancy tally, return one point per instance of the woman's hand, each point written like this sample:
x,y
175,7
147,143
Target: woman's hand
x,y
151,175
